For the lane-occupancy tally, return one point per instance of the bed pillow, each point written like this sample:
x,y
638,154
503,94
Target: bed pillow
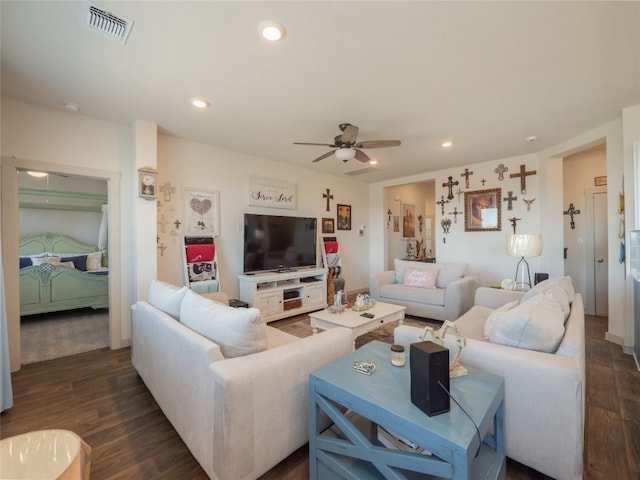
x,y
94,261
42,260
25,262
536,324
238,331
420,278
80,261
68,265
166,297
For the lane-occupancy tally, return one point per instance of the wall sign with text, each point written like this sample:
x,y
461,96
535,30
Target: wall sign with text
x,y
269,192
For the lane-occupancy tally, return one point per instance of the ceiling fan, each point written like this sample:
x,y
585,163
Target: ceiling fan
x,y
346,146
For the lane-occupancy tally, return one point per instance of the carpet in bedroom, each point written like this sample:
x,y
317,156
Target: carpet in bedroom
x,y
60,334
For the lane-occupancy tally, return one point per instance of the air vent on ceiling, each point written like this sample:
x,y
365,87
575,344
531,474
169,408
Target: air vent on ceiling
x,y
106,23
360,171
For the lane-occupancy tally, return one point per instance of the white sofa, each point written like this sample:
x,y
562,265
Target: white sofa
x,y
440,291
239,413
544,392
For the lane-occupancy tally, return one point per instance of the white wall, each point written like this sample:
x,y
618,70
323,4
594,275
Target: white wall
x,y
193,165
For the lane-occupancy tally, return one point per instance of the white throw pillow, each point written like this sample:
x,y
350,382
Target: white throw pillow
x,y
420,278
166,297
490,322
449,272
41,260
536,324
94,261
563,282
238,331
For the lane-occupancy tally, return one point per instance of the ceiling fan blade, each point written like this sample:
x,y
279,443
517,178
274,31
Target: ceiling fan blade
x,y
349,133
378,144
318,144
363,157
322,157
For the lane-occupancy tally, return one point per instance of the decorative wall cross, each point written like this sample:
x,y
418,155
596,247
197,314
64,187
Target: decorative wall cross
x,y
162,247
483,181
450,184
571,211
458,193
529,202
162,222
466,177
455,214
329,197
523,178
500,169
510,199
177,223
167,189
513,221
442,202
389,213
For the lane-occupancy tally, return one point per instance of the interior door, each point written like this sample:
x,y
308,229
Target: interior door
x,y
600,252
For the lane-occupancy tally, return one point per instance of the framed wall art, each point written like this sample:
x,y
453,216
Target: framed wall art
x,y
408,220
328,225
344,217
201,212
482,210
272,192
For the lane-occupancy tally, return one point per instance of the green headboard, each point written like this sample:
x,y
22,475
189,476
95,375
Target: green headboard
x,y
53,243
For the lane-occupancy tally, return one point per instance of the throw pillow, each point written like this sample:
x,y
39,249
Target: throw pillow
x,y
238,331
563,282
537,324
166,297
80,261
448,272
420,278
41,260
493,317
25,262
94,261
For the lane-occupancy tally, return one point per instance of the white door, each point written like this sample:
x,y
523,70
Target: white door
x,y
600,252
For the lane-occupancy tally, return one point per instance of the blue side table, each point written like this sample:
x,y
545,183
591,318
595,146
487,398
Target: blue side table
x,y
359,405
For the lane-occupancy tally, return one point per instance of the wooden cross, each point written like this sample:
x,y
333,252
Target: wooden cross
x,y
455,214
500,169
510,199
167,189
177,223
458,193
571,212
529,202
450,184
466,177
162,247
442,202
329,197
162,222
513,221
523,178
483,181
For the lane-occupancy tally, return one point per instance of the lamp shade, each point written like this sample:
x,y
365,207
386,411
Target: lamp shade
x,y
345,154
524,245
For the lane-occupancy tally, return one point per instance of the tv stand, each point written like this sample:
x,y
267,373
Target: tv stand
x,y
284,294
285,270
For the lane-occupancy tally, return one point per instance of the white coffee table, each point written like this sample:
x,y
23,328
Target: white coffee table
x,y
383,313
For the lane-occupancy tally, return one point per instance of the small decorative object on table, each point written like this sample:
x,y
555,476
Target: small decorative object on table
x,y
437,336
338,306
363,302
397,355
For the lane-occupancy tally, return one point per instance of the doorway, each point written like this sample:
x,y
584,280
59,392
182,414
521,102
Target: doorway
x,y
597,264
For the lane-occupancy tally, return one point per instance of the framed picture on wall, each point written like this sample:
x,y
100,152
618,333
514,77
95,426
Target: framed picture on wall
x,y
328,225
344,217
202,212
482,210
408,220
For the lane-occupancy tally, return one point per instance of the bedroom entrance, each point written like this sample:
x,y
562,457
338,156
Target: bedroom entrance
x,y
63,265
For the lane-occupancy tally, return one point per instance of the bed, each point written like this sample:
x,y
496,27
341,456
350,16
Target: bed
x,y
59,273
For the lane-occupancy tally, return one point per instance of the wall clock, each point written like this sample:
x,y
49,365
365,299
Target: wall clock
x,y
147,183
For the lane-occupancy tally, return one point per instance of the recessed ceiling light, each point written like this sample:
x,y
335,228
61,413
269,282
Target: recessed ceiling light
x,y
446,144
373,162
271,31
199,102
71,107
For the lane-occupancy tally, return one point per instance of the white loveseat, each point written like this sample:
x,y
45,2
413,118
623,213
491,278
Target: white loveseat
x,y
440,291
240,405
544,391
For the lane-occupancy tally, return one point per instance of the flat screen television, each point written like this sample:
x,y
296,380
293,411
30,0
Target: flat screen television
x,y
279,243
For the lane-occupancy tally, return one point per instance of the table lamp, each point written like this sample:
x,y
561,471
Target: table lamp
x,y
524,246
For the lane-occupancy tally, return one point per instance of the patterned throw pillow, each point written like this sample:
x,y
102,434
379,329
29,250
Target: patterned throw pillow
x,y
420,278
202,271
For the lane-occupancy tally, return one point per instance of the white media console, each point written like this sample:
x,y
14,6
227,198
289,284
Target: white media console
x,y
284,294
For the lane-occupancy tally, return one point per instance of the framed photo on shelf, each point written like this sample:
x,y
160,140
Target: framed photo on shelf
x,y
328,225
344,217
482,210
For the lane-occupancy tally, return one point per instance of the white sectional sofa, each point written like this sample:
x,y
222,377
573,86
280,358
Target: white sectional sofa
x,y
544,390
240,403
440,291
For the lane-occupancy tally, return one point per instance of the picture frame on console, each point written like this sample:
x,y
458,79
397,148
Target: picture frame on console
x,y
344,217
483,210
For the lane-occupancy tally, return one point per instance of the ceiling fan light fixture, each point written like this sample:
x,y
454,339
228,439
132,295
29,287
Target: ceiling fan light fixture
x,y
271,31
345,154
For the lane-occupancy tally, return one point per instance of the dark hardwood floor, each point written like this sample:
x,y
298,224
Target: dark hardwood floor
x,y
99,396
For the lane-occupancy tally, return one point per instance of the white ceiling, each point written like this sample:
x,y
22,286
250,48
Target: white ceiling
x,y
485,75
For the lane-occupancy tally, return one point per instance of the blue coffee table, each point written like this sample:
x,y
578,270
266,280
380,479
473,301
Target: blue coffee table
x,y
359,404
